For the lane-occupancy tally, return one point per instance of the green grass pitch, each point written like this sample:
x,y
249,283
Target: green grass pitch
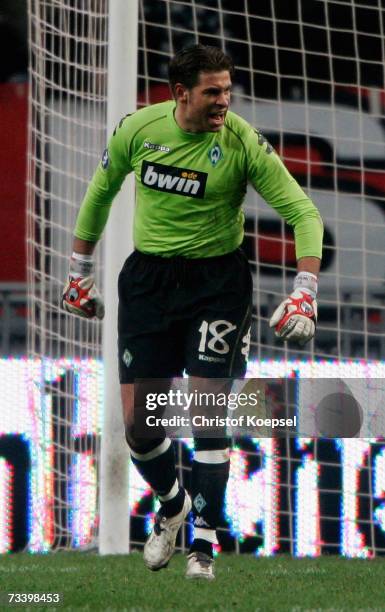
x,y
90,582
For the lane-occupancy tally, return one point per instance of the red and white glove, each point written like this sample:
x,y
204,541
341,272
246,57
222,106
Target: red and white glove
x,y
296,317
80,296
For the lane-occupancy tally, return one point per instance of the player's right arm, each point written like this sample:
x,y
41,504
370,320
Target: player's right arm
x,y
80,295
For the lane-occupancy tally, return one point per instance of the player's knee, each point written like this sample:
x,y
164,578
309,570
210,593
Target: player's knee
x,y
129,431
139,444
127,396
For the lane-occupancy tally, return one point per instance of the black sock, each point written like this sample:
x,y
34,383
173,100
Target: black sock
x,y
202,546
159,471
208,485
173,506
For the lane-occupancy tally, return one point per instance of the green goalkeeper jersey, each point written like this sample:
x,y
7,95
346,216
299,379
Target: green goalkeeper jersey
x,y
190,186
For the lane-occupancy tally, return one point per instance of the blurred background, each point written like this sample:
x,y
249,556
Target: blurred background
x,y
342,71
13,166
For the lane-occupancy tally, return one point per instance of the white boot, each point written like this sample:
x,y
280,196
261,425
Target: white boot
x,y
160,545
200,565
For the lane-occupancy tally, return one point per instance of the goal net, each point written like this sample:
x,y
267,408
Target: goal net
x,y
67,131
309,76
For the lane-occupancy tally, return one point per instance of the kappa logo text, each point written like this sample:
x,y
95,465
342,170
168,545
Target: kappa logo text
x,y
156,147
174,180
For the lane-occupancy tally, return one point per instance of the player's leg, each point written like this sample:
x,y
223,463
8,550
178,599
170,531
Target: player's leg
x,y
151,451
210,473
217,349
154,458
148,358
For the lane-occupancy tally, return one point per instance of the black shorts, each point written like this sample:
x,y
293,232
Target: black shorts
x,y
178,314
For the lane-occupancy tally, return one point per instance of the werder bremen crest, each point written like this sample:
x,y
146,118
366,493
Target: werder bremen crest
x,y
215,154
199,502
127,358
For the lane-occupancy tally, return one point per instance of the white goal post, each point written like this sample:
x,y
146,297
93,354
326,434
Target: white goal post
x,y
121,99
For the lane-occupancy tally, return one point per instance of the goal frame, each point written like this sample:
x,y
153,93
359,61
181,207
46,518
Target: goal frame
x,y
121,99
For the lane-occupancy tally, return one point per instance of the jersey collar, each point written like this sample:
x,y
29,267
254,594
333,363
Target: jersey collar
x,y
191,136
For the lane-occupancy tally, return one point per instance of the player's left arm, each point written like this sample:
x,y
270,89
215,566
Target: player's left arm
x,y
295,318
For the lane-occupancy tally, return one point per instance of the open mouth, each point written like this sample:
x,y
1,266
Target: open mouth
x,y
217,117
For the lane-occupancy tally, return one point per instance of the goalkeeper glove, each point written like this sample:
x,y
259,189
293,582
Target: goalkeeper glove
x,y
80,296
296,317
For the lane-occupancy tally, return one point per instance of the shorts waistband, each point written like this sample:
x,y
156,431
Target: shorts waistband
x,y
186,261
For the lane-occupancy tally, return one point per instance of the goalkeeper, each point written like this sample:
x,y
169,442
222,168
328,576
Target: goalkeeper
x,y
185,293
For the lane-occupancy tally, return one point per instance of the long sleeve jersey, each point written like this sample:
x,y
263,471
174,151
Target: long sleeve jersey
x,y
190,186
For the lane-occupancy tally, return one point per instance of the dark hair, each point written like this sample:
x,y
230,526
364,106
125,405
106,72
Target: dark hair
x,y
186,65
